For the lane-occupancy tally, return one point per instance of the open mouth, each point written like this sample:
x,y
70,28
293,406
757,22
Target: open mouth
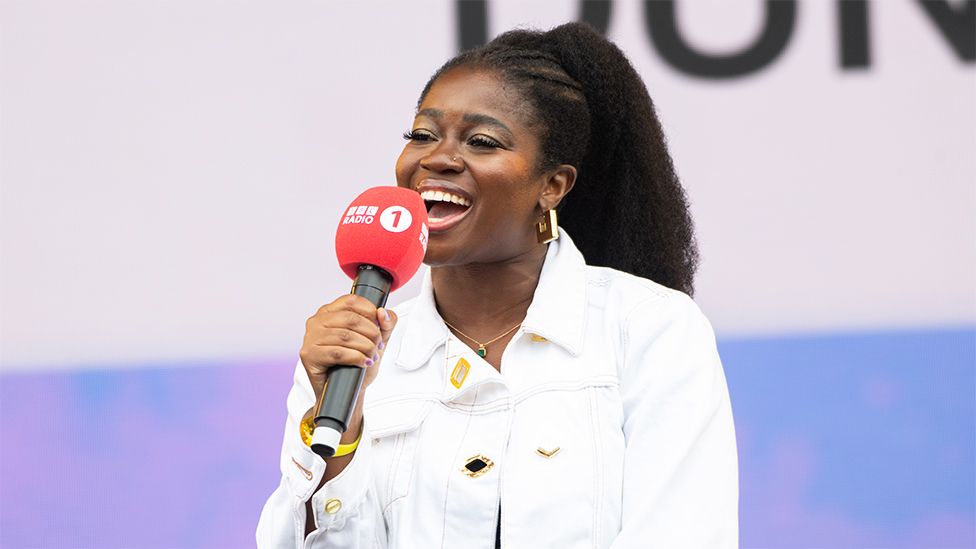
x,y
444,209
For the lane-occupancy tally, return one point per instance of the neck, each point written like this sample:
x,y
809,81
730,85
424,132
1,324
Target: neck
x,y
485,299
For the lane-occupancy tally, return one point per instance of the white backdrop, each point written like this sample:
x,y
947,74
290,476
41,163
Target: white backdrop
x,y
172,172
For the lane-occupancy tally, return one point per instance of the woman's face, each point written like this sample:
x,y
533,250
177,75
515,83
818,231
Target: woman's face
x,y
473,157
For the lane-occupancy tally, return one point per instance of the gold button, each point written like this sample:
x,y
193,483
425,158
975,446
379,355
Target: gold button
x,y
332,506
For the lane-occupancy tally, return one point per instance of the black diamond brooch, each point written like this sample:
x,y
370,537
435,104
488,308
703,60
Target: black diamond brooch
x,y
477,466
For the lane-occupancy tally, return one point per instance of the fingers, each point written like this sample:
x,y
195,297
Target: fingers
x,y
348,331
325,356
352,303
348,339
349,313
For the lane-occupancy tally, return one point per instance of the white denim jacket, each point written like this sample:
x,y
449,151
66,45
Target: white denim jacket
x,y
608,427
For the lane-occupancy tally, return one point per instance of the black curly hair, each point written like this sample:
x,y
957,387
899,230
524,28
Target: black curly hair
x,y
627,210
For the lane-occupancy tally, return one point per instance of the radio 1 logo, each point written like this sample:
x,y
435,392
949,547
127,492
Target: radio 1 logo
x,y
359,214
394,219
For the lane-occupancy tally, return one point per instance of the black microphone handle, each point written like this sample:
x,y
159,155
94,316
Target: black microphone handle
x,y
343,382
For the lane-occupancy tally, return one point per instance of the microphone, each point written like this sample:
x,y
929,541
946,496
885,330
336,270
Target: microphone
x,y
380,244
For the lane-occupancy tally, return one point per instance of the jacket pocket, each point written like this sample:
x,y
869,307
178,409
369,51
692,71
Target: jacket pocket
x,y
566,450
394,429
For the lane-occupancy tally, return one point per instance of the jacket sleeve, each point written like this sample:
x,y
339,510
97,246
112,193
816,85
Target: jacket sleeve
x,y
347,512
680,485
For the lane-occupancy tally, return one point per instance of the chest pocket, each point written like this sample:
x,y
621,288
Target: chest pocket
x,y
394,429
568,447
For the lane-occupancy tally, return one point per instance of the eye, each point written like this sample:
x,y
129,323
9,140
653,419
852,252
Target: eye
x,y
418,135
483,141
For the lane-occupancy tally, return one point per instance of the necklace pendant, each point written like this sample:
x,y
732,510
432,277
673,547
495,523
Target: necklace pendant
x,y
482,352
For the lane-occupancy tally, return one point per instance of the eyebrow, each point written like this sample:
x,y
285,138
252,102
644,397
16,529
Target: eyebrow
x,y
471,118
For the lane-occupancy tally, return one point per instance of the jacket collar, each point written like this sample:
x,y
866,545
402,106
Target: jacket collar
x,y
557,312
558,308
425,330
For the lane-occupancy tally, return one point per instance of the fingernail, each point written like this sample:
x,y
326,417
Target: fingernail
x,y
381,346
387,314
369,362
376,357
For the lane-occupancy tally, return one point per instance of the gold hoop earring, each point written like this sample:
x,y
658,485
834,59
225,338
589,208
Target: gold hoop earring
x,y
547,230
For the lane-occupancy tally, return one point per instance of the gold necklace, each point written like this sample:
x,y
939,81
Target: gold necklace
x,y
482,347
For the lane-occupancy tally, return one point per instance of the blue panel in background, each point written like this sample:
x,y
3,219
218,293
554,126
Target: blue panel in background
x,y
848,440
856,440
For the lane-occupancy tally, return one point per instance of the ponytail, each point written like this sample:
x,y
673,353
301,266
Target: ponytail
x,y
627,209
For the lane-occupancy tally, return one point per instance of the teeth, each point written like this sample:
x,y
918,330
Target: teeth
x,y
440,196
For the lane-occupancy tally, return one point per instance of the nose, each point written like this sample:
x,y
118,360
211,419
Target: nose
x,y
444,158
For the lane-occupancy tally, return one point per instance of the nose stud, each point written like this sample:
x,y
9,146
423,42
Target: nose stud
x,y
454,159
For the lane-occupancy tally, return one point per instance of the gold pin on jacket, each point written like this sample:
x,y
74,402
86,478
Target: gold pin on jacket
x,y
547,453
477,465
460,372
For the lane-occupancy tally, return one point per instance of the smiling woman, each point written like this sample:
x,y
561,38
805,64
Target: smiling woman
x,y
534,369
470,140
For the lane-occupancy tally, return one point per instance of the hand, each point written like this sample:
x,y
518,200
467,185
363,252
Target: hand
x,y
349,331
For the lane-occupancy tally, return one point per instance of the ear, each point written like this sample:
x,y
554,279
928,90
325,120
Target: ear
x,y
558,183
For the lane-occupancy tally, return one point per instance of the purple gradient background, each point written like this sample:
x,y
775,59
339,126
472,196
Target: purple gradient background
x,y
154,457
850,440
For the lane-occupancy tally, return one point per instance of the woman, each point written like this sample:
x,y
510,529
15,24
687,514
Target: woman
x,y
527,399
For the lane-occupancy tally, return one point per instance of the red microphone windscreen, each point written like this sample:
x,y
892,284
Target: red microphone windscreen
x,y
385,227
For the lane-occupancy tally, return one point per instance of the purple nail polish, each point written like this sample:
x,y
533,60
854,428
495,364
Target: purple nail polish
x,y
387,313
381,346
376,357
369,362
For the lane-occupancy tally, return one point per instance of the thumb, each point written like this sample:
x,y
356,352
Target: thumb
x,y
387,320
